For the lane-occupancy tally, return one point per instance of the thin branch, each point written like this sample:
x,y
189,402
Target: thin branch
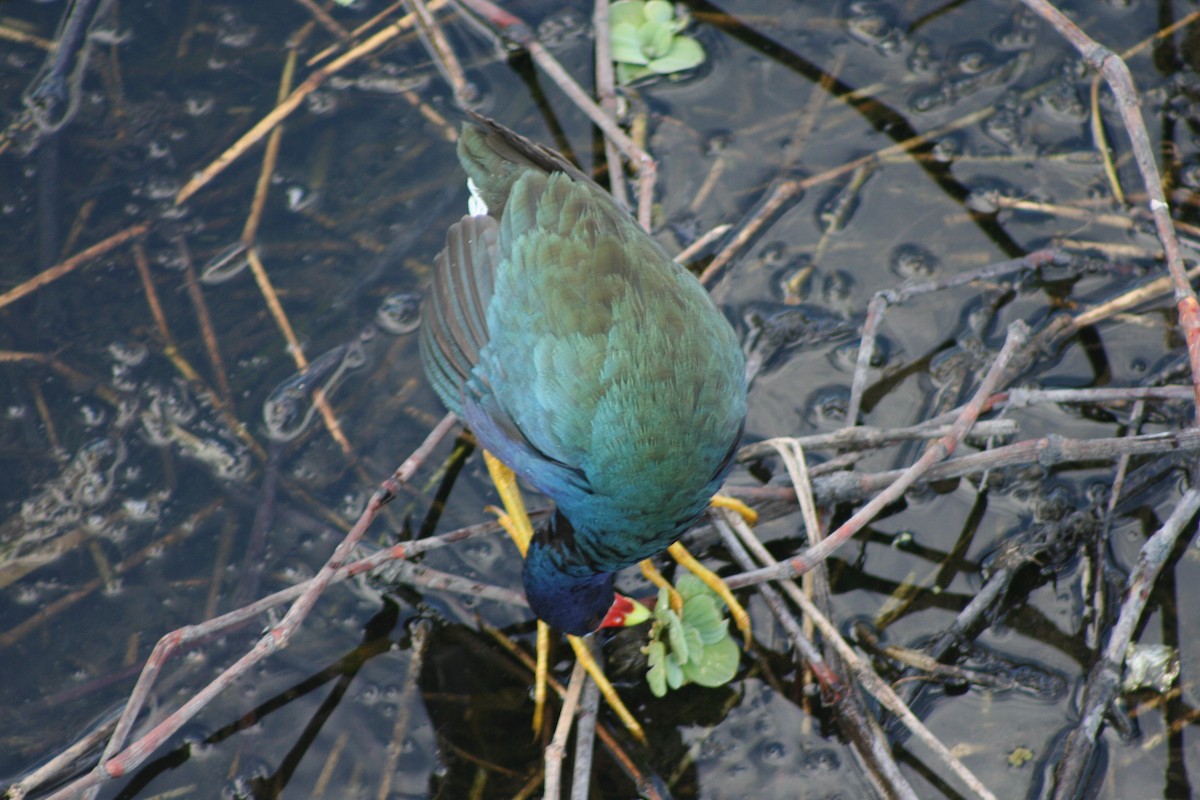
x,y
1120,81
1104,681
1017,334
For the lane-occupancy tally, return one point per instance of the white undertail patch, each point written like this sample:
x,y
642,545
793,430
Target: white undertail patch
x,y
475,205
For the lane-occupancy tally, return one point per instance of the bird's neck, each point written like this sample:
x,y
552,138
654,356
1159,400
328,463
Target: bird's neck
x,y
568,594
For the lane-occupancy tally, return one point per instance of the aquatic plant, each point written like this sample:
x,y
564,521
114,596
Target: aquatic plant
x,y
646,40
693,646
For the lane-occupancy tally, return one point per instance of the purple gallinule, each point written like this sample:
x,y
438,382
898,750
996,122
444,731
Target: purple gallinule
x,y
587,361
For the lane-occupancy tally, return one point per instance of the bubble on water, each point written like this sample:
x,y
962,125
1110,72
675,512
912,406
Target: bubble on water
x,y
829,406
321,103
93,416
300,199
369,694
199,105
145,509
289,407
822,761
562,28
27,594
234,32
772,752
912,262
874,24
399,313
128,353
928,98
946,149
1063,100
1006,127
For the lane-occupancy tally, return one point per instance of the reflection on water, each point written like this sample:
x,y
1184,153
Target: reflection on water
x,y
290,406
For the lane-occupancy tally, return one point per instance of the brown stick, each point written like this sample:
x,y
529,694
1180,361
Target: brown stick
x,y
1104,681
293,101
1116,73
73,263
114,764
798,565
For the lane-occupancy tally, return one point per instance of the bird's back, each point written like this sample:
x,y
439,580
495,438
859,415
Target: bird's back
x,y
588,360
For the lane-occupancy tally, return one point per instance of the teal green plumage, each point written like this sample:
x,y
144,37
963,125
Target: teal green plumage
x,y
588,361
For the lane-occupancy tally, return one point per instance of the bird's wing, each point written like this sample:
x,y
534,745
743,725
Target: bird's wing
x,y
454,327
454,330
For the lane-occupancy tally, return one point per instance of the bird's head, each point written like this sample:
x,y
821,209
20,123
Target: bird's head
x,y
570,595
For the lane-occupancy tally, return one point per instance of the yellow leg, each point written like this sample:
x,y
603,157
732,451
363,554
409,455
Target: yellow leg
x,y
710,578
654,576
541,675
584,656
517,523
733,504
714,582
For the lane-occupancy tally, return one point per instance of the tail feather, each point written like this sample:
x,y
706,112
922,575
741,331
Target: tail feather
x,y
496,157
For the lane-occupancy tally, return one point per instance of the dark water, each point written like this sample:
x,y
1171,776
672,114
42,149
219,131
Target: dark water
x,y
129,496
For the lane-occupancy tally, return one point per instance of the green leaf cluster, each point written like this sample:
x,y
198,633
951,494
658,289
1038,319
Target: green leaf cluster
x,y
646,40
692,647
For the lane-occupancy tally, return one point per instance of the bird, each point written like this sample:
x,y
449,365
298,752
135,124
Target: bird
x,y
587,361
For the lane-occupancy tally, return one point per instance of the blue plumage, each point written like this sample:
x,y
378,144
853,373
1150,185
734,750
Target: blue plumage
x,y
586,360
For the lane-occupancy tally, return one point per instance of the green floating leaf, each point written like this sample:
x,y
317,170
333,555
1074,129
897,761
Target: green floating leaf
x,y
656,39
689,586
677,638
685,53
717,634
695,645
663,604
629,73
702,615
627,45
1020,756
627,12
656,676
716,667
645,41
658,11
675,674
656,679
680,22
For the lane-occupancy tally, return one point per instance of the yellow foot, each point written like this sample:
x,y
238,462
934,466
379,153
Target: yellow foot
x,y
714,582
